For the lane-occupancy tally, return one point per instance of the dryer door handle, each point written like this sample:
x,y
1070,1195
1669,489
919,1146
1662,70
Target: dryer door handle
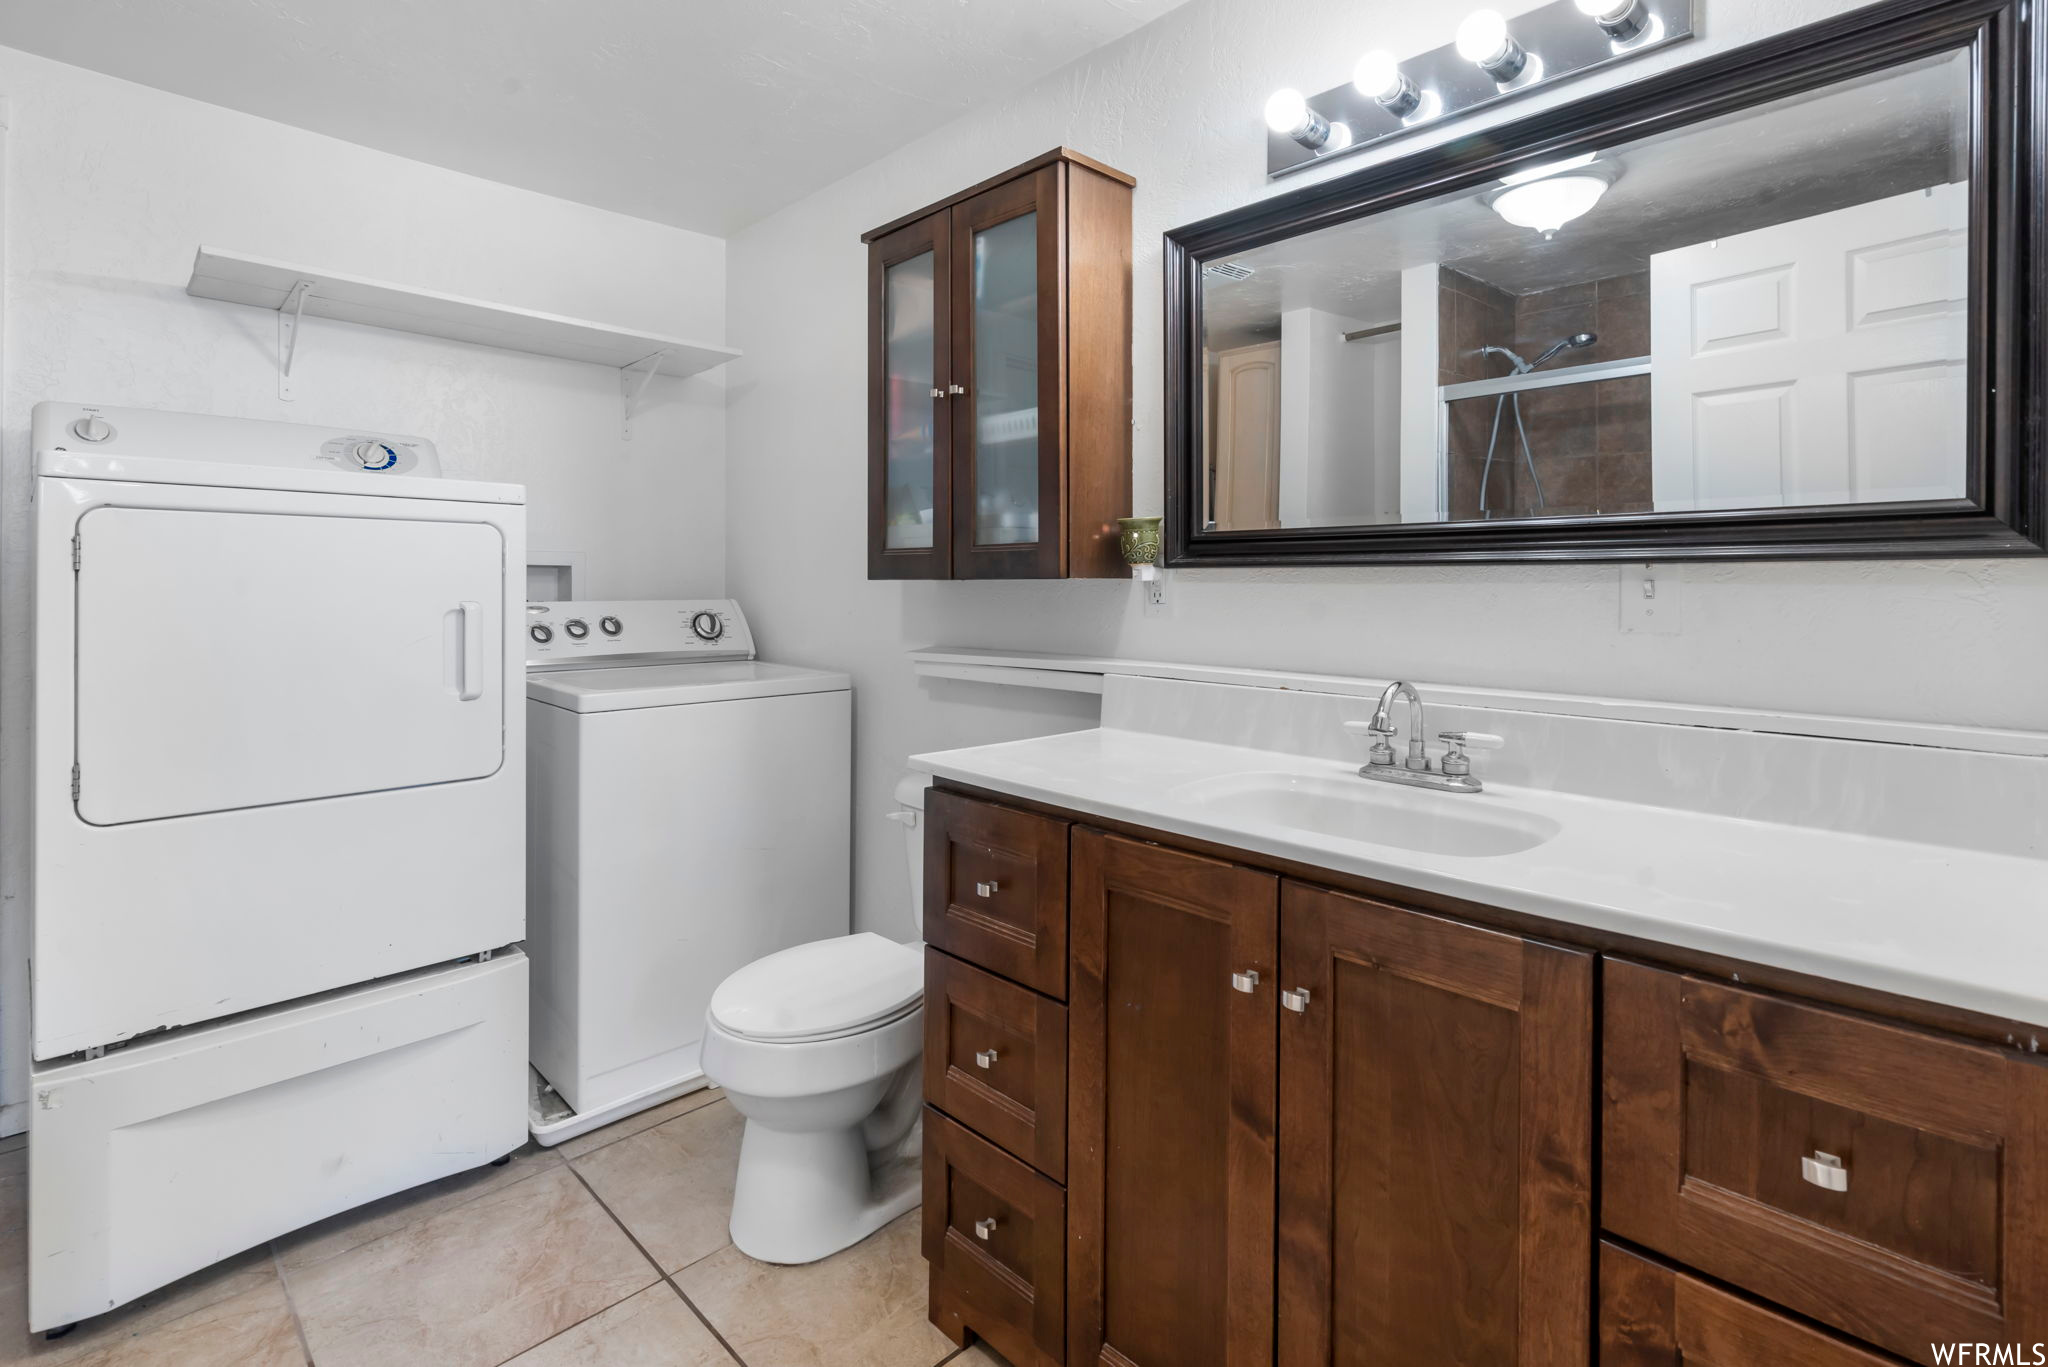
x,y
472,615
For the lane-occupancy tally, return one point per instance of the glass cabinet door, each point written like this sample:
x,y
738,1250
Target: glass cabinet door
x,y
910,442
1006,507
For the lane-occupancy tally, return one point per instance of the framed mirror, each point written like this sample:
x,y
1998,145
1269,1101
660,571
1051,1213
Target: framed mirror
x,y
1781,302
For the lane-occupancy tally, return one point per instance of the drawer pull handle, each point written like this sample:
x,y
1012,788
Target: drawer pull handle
x,y
1247,981
988,889
985,1058
1295,999
984,1227
1825,1171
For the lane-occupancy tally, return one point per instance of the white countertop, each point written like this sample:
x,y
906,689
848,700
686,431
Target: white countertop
x,y
1957,927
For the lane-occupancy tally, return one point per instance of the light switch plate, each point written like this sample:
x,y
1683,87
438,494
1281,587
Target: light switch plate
x,y
1650,599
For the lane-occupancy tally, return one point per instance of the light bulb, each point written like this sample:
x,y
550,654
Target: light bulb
x,y
1620,20
1379,78
1484,41
1286,110
1548,204
1287,113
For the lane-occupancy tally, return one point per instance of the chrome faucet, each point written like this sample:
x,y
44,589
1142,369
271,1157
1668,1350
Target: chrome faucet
x,y
1455,775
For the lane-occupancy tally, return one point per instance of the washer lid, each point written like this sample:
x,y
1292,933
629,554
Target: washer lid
x,y
820,990
672,685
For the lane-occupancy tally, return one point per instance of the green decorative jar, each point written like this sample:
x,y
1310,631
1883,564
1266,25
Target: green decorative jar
x,y
1138,539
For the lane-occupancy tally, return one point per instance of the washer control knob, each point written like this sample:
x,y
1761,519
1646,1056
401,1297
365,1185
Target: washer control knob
x,y
577,628
707,626
610,626
373,455
541,633
92,427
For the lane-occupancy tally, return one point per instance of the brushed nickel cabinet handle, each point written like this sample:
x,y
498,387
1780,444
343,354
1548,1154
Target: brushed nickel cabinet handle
x,y
956,389
985,1058
988,889
1825,1171
1295,999
1247,981
984,1227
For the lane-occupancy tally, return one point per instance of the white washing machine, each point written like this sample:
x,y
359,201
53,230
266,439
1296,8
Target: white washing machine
x,y
689,811
278,849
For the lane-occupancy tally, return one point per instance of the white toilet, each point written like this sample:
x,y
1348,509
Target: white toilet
x,y
819,1048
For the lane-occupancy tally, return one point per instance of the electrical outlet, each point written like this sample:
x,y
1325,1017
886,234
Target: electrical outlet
x,y
1650,600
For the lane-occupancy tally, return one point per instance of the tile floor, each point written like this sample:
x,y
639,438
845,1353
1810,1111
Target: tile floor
x,y
609,1251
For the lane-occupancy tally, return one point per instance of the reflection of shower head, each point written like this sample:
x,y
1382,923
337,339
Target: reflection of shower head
x,y
1571,343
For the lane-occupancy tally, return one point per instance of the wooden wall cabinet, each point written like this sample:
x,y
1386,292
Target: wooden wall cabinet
x,y
999,378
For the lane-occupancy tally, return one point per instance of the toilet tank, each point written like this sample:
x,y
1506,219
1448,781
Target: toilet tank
x,y
910,812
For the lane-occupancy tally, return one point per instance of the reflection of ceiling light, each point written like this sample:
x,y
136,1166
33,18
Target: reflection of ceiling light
x,y
1380,78
1228,270
1287,112
1548,204
1549,168
1620,20
1484,41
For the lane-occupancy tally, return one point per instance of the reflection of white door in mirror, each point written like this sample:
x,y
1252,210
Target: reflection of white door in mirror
x,y
1244,444
1820,361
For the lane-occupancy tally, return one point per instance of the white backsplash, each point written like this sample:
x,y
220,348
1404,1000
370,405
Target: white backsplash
x,y
1965,799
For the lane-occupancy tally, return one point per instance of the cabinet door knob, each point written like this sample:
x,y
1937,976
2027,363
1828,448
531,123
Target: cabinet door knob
x,y
985,1058
956,389
984,1227
1295,999
1825,1171
938,393
1247,981
988,889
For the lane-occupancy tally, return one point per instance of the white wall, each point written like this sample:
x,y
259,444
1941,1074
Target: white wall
x,y
1177,105
110,189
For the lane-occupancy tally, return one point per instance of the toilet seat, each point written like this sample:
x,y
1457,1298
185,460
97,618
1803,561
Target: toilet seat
x,y
825,990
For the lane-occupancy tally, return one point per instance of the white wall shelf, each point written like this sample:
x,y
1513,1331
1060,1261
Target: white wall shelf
x,y
296,291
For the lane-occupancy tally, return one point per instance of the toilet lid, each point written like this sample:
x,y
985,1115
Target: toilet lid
x,y
827,987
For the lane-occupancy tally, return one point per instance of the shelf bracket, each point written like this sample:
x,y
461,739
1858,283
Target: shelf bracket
x,y
633,382
289,315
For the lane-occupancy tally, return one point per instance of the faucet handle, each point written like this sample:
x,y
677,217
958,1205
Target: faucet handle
x,y
1381,752
1473,740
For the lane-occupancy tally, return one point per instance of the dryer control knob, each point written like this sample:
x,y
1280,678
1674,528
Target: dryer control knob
x,y
610,626
707,626
92,427
541,633
577,628
373,455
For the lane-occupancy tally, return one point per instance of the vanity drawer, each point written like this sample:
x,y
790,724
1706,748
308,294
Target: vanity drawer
x,y
995,1236
1880,1179
995,1059
1653,1316
995,889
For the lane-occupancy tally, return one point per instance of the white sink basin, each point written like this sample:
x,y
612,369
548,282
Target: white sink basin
x,y
1471,825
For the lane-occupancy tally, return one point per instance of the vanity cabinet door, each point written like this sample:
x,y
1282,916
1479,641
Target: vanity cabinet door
x,y
1653,1316
910,434
1887,1181
1435,1140
1172,1093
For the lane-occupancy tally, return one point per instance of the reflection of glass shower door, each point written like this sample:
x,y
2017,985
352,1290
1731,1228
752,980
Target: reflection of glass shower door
x,y
1006,518
909,437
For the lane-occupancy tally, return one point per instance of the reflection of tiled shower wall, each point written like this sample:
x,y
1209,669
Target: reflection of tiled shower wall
x,y
1591,441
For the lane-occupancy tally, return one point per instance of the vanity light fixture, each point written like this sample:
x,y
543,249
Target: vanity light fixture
x,y
1484,41
1392,94
1623,21
1380,79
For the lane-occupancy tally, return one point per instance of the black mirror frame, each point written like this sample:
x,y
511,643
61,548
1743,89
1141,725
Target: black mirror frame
x,y
2008,266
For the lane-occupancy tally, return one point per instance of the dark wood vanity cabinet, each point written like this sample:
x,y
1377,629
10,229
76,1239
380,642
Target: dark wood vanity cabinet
x,y
999,378
1281,1125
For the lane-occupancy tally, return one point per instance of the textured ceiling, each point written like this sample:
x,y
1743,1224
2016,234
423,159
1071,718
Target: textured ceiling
x,y
705,114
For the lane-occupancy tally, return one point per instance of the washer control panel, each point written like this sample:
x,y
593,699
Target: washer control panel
x,y
588,634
